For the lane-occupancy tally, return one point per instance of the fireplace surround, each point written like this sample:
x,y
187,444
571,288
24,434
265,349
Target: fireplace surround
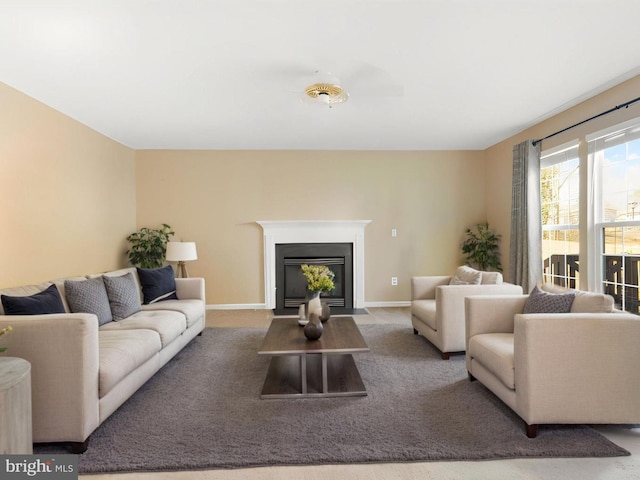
x,y
313,231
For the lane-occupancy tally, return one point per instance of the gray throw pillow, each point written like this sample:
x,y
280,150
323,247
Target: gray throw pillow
x,y
124,298
89,296
543,302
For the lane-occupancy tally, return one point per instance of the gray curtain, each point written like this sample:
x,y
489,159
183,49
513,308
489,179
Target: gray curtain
x,y
525,253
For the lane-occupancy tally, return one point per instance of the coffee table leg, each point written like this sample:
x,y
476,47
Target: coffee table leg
x,y
325,382
303,373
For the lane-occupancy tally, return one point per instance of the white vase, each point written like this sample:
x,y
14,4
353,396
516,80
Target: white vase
x,y
312,304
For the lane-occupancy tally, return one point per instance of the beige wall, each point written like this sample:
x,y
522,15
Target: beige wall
x,y
67,194
499,157
215,197
70,196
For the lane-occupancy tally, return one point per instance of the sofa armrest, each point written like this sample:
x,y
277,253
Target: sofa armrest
x,y
424,288
577,368
450,308
63,352
190,288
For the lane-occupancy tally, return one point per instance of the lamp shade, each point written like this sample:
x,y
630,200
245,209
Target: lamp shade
x,y
181,251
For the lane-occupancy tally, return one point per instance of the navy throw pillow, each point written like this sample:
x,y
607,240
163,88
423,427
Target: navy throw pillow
x,y
44,302
158,284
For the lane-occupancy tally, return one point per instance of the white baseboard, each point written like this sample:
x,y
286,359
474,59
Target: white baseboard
x,y
262,306
387,304
237,306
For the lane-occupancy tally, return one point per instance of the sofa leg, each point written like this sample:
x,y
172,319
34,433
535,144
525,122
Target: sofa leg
x,y
415,332
446,355
532,430
471,377
79,447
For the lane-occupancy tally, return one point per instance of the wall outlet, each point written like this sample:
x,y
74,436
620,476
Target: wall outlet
x,y
394,281
394,232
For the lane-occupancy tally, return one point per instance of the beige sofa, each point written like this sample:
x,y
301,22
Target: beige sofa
x,y
82,371
437,306
579,367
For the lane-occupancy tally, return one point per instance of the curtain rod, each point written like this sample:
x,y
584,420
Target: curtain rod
x,y
617,107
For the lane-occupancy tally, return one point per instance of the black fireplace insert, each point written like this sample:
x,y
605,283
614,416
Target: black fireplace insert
x,y
291,284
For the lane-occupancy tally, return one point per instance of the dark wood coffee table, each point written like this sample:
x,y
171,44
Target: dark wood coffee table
x,y
320,368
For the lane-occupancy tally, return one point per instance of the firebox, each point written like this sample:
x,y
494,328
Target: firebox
x,y
291,284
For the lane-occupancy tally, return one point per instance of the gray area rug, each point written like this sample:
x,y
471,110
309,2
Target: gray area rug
x,y
203,411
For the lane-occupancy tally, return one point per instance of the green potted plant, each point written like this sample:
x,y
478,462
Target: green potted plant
x,y
149,246
319,279
482,248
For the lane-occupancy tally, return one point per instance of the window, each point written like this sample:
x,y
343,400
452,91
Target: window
x,y
615,154
560,209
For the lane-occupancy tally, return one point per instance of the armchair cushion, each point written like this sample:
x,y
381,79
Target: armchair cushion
x,y
495,352
466,276
589,302
425,310
491,278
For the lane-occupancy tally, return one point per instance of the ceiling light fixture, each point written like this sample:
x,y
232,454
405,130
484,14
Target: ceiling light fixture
x,y
326,93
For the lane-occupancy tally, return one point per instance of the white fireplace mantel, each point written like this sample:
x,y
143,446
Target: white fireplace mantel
x,y
313,231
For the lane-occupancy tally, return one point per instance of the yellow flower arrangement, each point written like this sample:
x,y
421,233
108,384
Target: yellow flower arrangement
x,y
319,278
4,331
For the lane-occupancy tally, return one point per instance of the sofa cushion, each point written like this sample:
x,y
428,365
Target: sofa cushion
x,y
192,309
466,276
89,296
589,302
492,278
158,284
495,352
168,324
425,310
544,302
121,352
44,302
124,298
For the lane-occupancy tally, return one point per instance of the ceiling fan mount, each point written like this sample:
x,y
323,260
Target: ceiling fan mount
x,y
326,92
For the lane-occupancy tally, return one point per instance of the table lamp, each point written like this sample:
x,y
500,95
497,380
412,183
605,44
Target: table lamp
x,y
181,252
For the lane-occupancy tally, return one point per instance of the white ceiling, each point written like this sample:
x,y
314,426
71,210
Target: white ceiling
x,y
206,74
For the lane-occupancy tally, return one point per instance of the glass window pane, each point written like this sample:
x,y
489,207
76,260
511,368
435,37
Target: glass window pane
x,y
621,266
620,180
560,254
612,241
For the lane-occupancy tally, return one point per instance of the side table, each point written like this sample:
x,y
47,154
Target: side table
x,y
15,407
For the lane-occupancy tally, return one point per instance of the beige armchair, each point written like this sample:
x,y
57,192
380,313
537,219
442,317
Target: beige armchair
x,y
437,307
556,368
